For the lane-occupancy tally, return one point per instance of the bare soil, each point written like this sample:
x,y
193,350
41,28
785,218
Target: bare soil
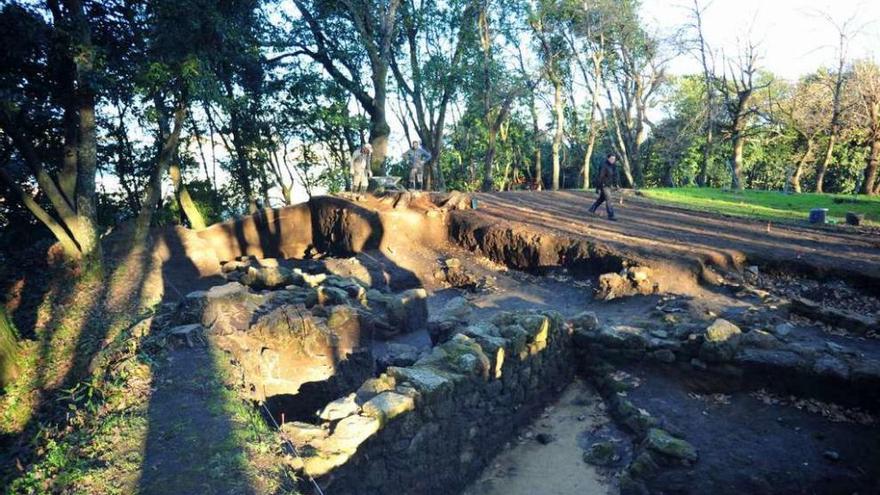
x,y
689,238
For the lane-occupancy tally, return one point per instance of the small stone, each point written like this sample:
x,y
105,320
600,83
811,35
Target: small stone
x,y
721,330
545,438
831,455
760,339
586,320
783,329
664,356
639,273
452,263
661,334
697,364
753,270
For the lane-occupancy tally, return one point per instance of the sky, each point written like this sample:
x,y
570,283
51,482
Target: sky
x,y
794,37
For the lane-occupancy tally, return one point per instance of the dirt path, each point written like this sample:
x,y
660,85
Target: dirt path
x,y
681,236
530,467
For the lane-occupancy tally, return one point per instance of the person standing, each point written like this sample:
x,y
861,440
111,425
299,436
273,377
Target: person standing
x,y
416,158
607,178
360,168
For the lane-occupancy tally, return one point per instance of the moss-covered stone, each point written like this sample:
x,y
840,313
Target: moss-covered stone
x,y
601,454
662,442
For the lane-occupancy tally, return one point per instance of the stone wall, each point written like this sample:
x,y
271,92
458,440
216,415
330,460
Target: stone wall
x,y
723,357
432,427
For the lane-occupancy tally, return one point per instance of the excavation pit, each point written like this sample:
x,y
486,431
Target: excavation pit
x,y
680,377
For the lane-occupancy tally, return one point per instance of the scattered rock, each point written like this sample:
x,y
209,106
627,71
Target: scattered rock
x,y
783,329
662,442
545,438
586,320
664,356
629,282
833,316
760,339
721,330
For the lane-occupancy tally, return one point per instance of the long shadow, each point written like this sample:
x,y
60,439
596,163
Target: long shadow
x,y
86,313
193,445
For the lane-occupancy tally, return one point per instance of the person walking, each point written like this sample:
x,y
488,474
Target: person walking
x,y
360,168
607,178
416,157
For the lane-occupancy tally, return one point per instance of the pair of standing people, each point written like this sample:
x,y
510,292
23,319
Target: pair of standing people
x,y
416,158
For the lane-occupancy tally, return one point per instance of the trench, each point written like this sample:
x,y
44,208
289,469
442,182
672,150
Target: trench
x,y
436,409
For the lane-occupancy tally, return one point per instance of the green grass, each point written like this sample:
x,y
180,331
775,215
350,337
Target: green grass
x,y
768,205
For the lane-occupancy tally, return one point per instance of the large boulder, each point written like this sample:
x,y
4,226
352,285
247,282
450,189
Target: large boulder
x,y
290,346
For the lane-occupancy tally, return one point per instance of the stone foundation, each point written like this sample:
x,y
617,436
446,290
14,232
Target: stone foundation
x,y
432,427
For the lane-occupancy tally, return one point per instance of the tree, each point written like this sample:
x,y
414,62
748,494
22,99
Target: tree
x,y
866,86
547,21
587,40
339,36
706,62
429,85
737,87
635,75
806,111
845,33
50,90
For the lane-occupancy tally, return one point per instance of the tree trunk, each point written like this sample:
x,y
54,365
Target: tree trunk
x,y
488,160
588,157
8,349
703,176
154,187
739,142
795,179
85,229
557,136
184,200
539,171
825,163
870,179
379,132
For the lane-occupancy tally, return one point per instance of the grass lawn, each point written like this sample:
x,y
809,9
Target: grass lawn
x,y
769,205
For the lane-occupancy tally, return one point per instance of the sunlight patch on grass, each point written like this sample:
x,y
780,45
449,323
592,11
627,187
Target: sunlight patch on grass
x,y
768,205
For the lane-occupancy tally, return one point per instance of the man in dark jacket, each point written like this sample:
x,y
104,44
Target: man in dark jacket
x,y
607,178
